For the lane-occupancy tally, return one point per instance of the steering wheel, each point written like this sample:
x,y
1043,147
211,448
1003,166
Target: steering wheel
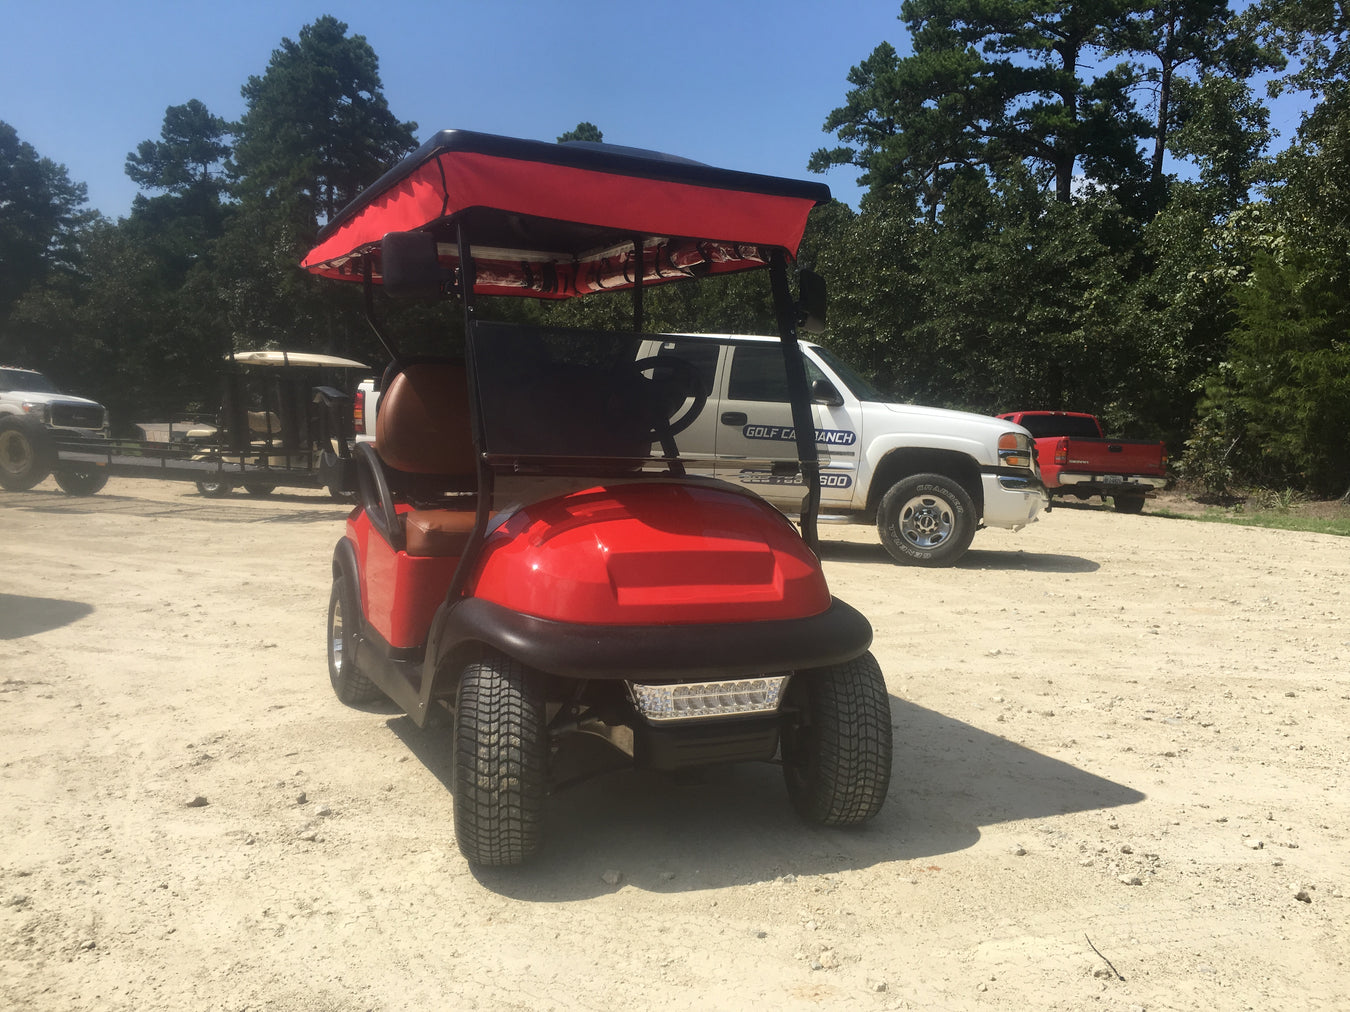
x,y
671,392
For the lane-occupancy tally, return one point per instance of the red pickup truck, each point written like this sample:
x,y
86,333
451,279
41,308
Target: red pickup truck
x,y
1077,459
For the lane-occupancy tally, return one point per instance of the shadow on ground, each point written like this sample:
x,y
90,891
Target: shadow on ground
x,y
1031,562
189,506
22,616
734,825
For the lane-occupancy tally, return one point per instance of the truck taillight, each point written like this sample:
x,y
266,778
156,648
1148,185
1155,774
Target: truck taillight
x,y
1062,451
359,412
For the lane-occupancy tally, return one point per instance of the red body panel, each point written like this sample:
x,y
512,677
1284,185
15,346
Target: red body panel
x,y
630,554
399,592
1081,455
652,553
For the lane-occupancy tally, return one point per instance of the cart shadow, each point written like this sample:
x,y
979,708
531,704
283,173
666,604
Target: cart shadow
x,y
732,825
975,558
22,616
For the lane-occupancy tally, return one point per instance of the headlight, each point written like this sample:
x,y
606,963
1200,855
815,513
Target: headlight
x,y
42,411
1014,450
692,700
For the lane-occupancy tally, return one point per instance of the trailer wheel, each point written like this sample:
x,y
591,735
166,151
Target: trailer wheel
x,y
501,762
836,742
1128,503
83,481
215,489
926,520
344,617
259,490
26,452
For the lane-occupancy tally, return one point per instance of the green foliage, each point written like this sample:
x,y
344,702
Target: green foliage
x,y
317,128
189,157
584,131
42,216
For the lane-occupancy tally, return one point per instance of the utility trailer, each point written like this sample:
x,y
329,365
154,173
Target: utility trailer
x,y
284,421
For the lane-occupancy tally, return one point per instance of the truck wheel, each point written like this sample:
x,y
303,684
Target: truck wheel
x,y
501,762
926,520
259,490
836,742
344,617
82,482
1129,503
26,453
215,489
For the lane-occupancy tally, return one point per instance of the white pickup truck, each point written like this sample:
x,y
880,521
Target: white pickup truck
x,y
927,477
30,400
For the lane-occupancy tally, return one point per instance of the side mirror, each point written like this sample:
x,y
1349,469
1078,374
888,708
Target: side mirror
x,y
410,267
824,392
812,302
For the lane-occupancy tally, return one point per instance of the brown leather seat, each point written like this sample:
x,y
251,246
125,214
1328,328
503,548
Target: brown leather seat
x,y
422,425
422,432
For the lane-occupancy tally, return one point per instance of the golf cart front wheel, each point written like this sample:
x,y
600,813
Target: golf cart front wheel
x,y
500,762
836,742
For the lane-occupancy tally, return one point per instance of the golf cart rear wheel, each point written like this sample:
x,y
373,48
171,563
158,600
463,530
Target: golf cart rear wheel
x,y
82,482
259,490
501,762
344,614
836,742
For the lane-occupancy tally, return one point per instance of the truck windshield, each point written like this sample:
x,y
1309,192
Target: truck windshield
x,y
26,379
859,387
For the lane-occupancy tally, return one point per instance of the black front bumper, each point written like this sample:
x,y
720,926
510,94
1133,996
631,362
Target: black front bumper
x,y
656,652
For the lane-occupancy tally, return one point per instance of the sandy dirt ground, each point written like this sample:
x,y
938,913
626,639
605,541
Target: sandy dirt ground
x,y
1120,783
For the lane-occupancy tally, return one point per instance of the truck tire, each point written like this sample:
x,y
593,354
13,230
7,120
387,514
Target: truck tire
x,y
26,453
836,742
82,481
217,489
926,520
500,762
1128,503
344,619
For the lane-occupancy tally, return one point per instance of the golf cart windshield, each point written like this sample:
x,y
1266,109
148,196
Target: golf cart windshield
x,y
551,396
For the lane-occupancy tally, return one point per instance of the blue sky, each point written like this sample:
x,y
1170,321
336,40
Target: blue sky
x,y
741,84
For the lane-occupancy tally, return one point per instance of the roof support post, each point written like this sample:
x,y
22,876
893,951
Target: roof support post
x,y
799,396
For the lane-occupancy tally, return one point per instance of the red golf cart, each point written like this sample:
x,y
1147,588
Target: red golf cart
x,y
527,555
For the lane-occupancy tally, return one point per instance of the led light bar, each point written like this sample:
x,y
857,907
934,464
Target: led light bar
x,y
700,700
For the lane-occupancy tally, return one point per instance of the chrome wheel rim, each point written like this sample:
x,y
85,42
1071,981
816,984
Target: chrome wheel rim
x,y
926,521
335,636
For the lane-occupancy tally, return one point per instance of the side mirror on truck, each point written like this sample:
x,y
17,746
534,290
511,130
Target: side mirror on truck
x,y
811,303
825,392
